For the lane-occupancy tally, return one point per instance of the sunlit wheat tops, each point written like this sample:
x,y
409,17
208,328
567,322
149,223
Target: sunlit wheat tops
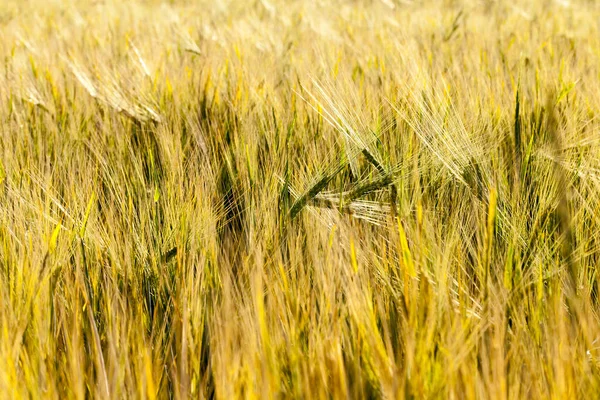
x,y
287,199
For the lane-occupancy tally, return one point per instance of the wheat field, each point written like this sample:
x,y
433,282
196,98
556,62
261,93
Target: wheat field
x,y
299,199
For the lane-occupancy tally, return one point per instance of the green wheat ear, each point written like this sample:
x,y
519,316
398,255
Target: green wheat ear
x,y
309,194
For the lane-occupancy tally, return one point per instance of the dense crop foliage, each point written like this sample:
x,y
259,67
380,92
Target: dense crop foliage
x,y
268,199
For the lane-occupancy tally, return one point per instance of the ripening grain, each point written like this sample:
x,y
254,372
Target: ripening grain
x,y
294,199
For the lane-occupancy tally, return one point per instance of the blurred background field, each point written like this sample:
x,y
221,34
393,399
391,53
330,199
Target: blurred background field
x,y
290,199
